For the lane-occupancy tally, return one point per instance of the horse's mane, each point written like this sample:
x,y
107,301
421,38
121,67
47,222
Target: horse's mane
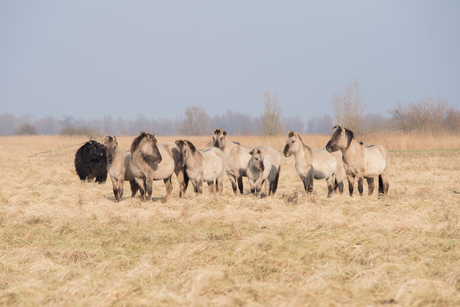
x,y
137,141
308,148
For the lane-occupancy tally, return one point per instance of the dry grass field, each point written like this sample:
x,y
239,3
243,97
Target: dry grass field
x,y
64,242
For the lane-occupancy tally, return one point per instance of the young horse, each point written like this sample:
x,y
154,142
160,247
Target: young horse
x,y
118,167
259,169
208,166
315,164
238,157
146,167
362,162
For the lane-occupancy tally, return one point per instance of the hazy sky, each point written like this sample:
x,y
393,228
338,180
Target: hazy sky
x,y
89,59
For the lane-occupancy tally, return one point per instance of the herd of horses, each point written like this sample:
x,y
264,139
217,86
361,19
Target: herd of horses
x,y
147,161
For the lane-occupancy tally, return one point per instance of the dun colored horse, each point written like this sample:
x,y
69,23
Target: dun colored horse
x,y
238,157
261,168
208,166
315,164
118,167
150,161
362,162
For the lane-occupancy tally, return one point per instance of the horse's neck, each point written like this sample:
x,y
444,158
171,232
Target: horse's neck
x,y
350,152
194,158
303,152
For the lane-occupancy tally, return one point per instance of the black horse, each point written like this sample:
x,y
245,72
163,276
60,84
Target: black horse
x,y
91,162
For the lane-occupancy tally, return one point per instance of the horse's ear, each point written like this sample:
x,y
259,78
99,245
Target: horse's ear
x,y
251,152
349,135
225,133
177,142
115,139
214,130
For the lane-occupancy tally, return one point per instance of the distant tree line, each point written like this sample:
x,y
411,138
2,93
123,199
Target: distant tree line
x,y
349,111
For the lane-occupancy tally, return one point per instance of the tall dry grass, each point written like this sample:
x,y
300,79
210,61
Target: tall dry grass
x,y
66,242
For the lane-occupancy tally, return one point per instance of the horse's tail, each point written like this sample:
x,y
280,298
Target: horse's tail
x,y
380,184
275,183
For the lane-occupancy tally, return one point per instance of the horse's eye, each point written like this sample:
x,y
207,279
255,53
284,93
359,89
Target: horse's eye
x,y
221,138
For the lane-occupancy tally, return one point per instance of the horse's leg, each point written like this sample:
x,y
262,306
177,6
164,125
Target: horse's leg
x,y
360,184
211,187
182,177
149,189
233,182
121,184
351,182
168,187
258,188
309,181
141,185
340,186
134,187
274,183
115,187
384,184
240,184
330,186
334,183
199,186
194,186
304,183
370,186
220,184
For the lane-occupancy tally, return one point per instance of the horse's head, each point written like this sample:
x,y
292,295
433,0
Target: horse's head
x,y
94,148
219,137
293,143
257,159
111,145
147,144
341,139
185,148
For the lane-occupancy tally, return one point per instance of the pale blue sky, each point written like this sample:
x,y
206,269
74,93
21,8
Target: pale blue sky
x,y
90,59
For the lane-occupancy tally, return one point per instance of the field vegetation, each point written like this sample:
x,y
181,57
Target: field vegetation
x,y
68,243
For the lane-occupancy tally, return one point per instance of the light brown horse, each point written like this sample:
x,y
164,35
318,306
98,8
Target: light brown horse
x,y
261,168
238,157
150,161
315,164
118,167
362,162
208,166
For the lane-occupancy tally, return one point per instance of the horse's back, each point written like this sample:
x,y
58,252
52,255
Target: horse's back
x,y
376,160
128,160
274,155
214,162
324,164
166,167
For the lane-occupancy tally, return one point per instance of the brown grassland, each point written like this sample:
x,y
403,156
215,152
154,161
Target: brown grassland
x,y
68,243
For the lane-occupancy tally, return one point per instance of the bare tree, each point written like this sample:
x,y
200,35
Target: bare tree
x,y
194,122
425,115
272,121
25,129
320,125
349,107
295,123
